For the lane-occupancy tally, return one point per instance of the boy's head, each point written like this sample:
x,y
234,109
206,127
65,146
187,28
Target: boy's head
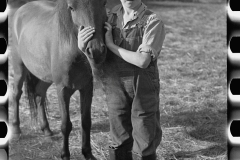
x,y
131,3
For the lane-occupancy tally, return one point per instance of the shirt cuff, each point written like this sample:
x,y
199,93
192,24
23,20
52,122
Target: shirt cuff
x,y
148,49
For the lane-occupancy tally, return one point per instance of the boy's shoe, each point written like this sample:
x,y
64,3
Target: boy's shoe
x,y
123,153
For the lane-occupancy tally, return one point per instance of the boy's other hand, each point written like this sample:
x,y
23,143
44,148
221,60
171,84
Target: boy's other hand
x,y
108,34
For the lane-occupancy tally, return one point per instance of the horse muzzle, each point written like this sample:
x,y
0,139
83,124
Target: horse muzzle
x,y
96,51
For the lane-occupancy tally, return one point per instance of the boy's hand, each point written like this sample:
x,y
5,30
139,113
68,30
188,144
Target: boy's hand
x,y
84,35
108,35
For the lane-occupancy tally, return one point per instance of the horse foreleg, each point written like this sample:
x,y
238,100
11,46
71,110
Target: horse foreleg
x,y
86,95
64,95
19,76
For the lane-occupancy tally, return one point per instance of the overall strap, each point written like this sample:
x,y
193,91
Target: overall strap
x,y
143,22
113,17
146,15
113,20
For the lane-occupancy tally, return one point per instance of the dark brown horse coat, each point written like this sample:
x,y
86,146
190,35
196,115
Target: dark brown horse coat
x,y
45,51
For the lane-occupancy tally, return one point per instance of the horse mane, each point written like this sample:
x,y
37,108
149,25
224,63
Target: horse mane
x,y
66,28
66,25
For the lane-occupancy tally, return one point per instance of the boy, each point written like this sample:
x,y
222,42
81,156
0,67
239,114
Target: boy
x,y
134,37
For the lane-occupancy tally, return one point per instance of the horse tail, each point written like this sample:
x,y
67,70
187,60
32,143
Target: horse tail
x,y
31,83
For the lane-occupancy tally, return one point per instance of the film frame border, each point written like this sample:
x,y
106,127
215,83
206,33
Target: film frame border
x,y
233,78
4,80
233,69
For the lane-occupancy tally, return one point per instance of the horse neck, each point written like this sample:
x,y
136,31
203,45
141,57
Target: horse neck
x,y
65,23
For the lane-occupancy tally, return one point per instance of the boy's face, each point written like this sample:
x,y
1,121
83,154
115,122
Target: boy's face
x,y
131,3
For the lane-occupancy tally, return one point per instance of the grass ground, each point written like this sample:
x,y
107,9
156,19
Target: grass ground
x,y
193,94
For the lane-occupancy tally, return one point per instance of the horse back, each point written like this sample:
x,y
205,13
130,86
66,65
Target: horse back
x,y
33,14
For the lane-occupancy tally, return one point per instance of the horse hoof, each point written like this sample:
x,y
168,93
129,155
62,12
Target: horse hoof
x,y
15,136
48,133
90,157
66,158
15,132
48,138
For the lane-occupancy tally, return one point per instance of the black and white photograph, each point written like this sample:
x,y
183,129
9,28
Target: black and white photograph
x,y
117,79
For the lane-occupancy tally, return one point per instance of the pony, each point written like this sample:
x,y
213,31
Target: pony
x,y
45,51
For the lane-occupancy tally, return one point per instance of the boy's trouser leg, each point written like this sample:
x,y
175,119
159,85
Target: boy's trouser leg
x,y
145,116
119,108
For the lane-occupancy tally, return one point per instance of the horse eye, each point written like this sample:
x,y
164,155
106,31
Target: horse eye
x,y
105,3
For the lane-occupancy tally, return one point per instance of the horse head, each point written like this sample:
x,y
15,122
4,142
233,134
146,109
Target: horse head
x,y
91,13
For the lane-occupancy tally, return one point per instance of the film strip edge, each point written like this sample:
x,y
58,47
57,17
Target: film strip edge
x,y
4,134
233,78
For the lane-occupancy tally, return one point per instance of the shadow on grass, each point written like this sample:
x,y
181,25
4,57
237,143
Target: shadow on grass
x,y
23,137
97,127
100,126
205,125
212,151
28,136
